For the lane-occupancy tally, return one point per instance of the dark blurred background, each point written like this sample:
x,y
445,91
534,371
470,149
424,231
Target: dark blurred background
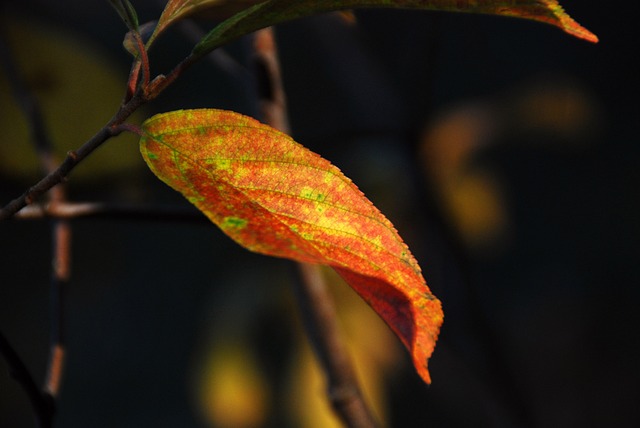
x,y
505,152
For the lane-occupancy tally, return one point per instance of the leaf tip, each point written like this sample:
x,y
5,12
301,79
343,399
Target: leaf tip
x,y
429,324
571,26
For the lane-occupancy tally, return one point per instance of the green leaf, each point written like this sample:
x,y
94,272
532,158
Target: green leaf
x,y
275,197
273,12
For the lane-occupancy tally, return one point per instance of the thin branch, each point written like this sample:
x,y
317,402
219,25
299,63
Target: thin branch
x,y
315,302
98,210
73,158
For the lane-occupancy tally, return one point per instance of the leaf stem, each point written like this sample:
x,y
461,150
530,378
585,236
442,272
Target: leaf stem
x,y
144,58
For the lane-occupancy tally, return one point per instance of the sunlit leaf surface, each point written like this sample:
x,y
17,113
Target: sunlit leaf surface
x,y
275,197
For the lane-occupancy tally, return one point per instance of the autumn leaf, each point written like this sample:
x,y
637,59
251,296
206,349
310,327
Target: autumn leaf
x,y
273,12
273,196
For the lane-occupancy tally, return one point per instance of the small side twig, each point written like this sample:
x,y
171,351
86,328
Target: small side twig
x,y
314,300
141,64
73,158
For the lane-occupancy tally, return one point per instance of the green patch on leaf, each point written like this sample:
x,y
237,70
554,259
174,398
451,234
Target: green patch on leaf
x,y
234,223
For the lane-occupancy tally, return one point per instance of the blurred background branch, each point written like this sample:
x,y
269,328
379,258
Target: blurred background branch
x,y
315,304
61,239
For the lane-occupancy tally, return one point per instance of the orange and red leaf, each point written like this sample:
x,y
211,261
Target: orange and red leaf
x,y
275,197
